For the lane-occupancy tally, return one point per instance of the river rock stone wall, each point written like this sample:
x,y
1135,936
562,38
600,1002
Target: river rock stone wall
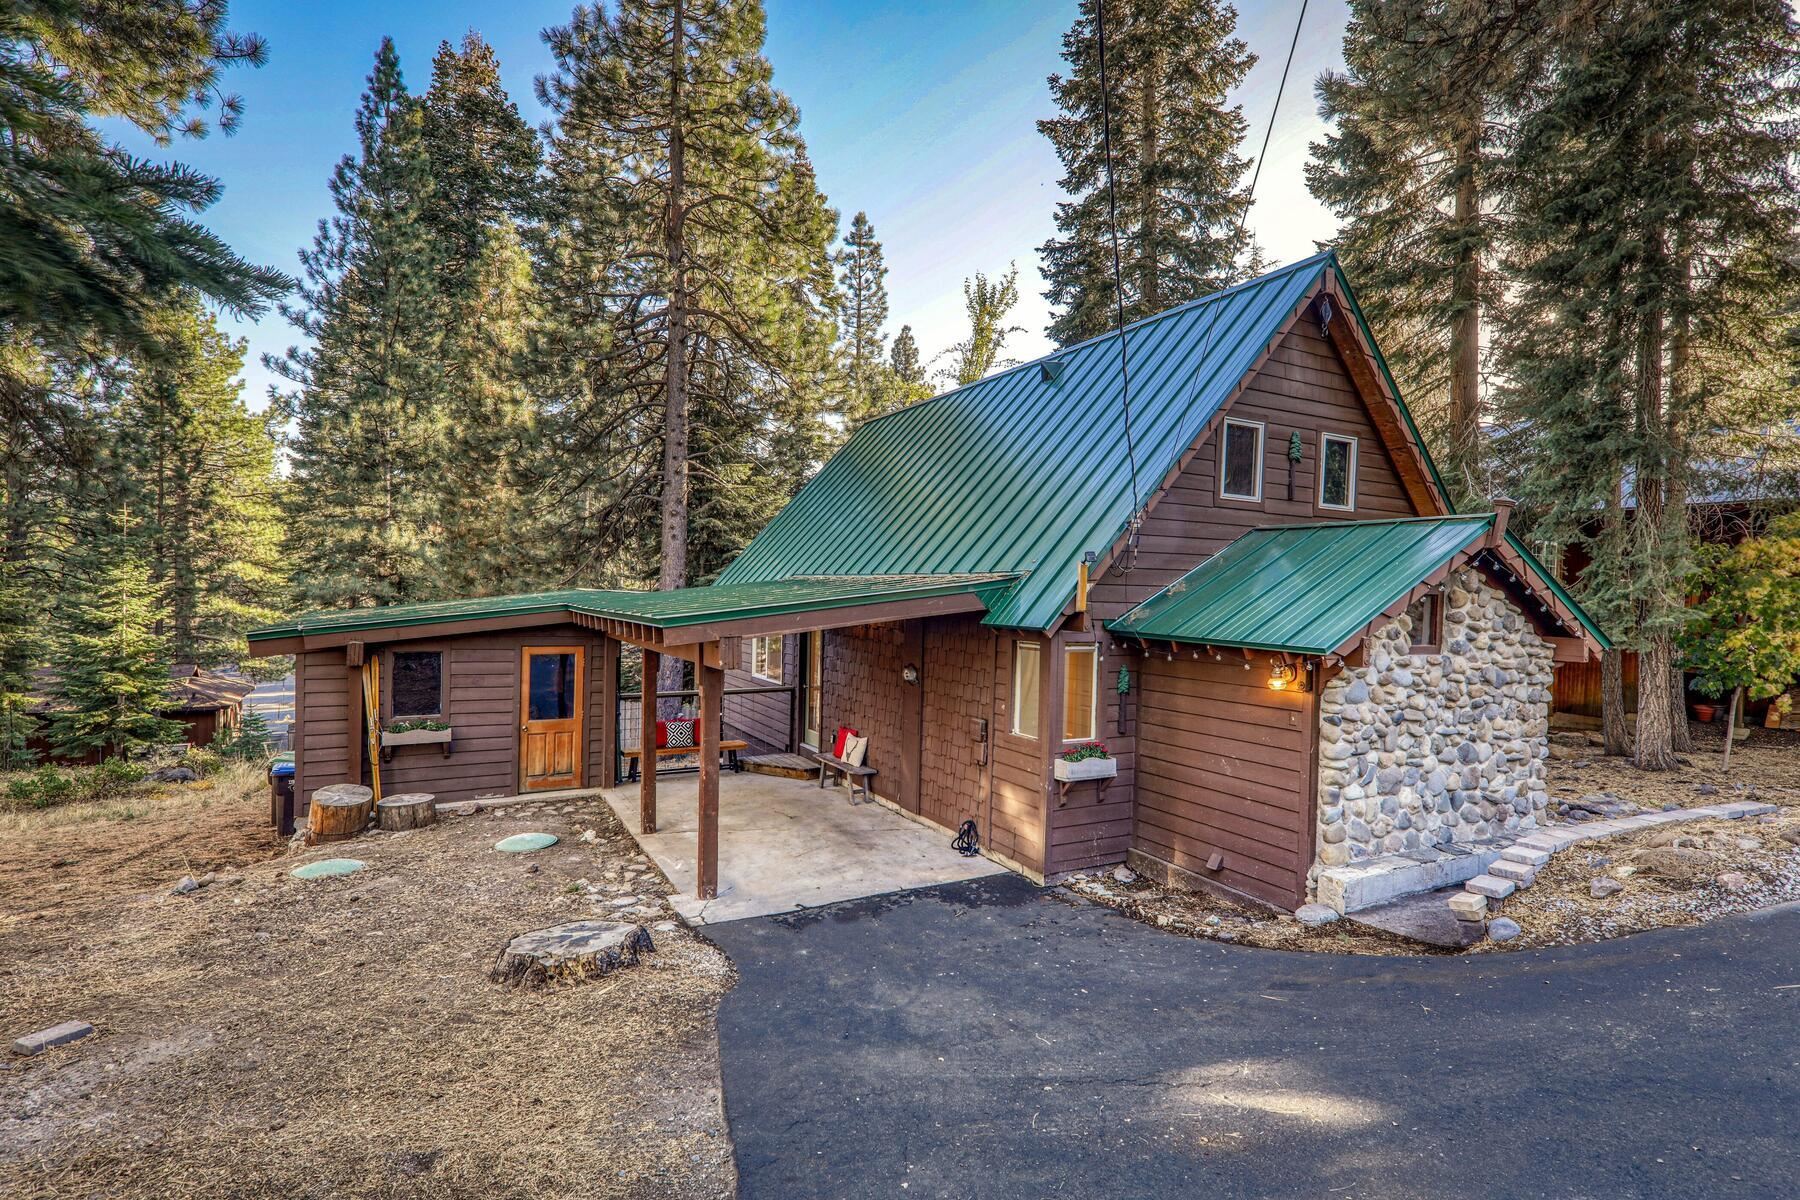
x,y
1418,750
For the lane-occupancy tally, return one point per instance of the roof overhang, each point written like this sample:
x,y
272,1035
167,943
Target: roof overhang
x,y
676,622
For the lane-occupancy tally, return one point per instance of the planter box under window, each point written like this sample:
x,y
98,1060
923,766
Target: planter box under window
x,y
1087,768
415,737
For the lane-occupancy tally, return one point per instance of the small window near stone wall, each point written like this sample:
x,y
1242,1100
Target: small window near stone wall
x,y
1337,472
1426,631
765,658
417,683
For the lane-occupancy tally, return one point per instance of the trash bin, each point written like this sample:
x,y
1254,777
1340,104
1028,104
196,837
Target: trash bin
x,y
281,794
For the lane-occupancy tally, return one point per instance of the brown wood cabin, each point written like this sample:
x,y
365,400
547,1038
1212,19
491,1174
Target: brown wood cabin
x,y
982,581
203,700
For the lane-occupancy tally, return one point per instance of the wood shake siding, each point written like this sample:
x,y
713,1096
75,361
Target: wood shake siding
x,y
1223,767
1303,387
958,697
482,706
863,690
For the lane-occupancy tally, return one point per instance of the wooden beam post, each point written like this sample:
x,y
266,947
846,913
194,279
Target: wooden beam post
x,y
711,683
609,711
647,745
356,741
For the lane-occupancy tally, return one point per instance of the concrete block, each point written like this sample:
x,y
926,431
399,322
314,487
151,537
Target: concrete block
x,y
56,1035
1526,855
1518,872
1375,881
1492,886
1468,906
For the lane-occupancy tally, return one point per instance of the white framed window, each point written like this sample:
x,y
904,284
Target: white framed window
x,y
1241,460
1025,690
765,658
1337,471
1427,631
1081,692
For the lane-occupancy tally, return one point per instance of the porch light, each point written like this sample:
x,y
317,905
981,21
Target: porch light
x,y
909,673
1280,676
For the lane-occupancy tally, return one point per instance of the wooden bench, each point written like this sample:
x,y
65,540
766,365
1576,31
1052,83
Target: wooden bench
x,y
856,776
729,749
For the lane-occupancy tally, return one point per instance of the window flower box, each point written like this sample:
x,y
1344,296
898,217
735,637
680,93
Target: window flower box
x,y
435,734
1085,769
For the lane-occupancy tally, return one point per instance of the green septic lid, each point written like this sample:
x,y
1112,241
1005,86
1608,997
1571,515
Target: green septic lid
x,y
524,843
326,868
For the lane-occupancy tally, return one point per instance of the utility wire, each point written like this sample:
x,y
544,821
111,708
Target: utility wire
x,y
1267,133
1112,212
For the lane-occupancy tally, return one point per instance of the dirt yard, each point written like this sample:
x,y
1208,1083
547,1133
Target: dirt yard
x,y
266,1036
1560,907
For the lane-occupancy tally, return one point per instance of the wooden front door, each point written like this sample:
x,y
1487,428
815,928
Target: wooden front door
x,y
550,729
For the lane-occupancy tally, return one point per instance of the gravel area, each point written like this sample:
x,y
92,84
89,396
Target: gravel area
x,y
267,1036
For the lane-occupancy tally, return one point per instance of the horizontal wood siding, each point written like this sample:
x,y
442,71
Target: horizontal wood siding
x,y
1302,388
1577,686
482,707
1223,766
1017,823
765,721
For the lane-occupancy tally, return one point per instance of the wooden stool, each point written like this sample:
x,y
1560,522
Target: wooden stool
x,y
339,812
409,810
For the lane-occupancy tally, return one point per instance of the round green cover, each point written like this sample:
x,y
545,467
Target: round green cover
x,y
523,843
326,868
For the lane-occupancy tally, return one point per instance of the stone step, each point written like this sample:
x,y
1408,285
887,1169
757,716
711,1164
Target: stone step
x,y
1468,906
1526,855
1518,872
1491,886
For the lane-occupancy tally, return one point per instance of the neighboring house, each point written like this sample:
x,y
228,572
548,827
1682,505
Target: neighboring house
x,y
204,700
1258,599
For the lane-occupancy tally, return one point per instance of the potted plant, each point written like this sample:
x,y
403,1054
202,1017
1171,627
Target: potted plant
x,y
1090,760
415,733
1704,713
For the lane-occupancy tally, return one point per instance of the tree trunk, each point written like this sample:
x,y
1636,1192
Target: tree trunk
x,y
1680,396
1465,323
410,810
1731,714
1681,737
1654,751
338,813
1149,281
672,571
1613,729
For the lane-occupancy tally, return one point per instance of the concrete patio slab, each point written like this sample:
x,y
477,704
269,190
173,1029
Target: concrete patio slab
x,y
787,844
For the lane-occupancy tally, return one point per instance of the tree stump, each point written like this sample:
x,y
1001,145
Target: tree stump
x,y
570,953
338,813
409,810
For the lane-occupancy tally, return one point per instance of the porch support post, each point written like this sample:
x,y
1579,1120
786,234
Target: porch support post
x,y
647,745
712,697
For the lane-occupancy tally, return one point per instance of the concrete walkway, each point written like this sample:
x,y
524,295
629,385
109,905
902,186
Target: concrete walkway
x,y
990,1040
787,844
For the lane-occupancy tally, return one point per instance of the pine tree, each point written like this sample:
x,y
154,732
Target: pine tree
x,y
987,302
1407,167
371,429
687,264
112,668
903,358
862,275
1653,197
1177,170
201,468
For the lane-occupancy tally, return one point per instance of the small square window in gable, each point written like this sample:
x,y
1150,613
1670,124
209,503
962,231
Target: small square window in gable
x,y
1241,460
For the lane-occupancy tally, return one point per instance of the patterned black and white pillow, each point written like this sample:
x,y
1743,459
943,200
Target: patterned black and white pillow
x,y
681,735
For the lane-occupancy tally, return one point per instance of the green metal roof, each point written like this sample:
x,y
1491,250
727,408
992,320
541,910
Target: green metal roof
x,y
1531,560
1305,589
662,610
1026,470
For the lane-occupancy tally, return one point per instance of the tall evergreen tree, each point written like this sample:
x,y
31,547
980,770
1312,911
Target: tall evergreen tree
x,y
371,431
1177,170
112,667
862,275
1407,167
1654,203
903,358
688,262
987,302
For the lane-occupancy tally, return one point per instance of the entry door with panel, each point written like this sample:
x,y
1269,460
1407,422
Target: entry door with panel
x,y
814,652
550,731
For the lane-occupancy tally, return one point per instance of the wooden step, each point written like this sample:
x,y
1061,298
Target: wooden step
x,y
787,766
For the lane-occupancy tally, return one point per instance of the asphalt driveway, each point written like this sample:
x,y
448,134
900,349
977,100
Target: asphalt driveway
x,y
986,1039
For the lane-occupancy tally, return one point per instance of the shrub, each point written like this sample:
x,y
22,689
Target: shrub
x,y
201,762
111,779
45,787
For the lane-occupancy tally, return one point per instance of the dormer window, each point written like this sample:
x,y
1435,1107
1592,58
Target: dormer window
x,y
1241,461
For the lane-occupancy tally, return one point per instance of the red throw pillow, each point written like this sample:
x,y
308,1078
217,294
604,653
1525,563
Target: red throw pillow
x,y
662,735
844,734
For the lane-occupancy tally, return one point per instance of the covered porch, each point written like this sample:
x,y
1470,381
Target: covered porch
x,y
786,844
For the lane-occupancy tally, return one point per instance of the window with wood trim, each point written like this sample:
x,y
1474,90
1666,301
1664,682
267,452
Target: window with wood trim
x,y
416,683
1337,471
1025,689
1081,693
765,658
1427,630
1241,460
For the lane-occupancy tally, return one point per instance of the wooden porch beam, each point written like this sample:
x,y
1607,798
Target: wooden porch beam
x,y
706,855
647,745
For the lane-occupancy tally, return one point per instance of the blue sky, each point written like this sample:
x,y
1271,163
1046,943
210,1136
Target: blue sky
x,y
919,112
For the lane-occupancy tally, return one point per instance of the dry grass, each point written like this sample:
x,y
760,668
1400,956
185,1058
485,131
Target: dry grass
x,y
272,1037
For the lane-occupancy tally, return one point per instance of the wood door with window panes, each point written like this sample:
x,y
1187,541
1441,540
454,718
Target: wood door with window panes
x,y
814,652
550,730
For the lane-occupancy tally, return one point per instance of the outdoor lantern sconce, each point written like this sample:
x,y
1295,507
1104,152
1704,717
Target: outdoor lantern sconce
x,y
1285,677
909,673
